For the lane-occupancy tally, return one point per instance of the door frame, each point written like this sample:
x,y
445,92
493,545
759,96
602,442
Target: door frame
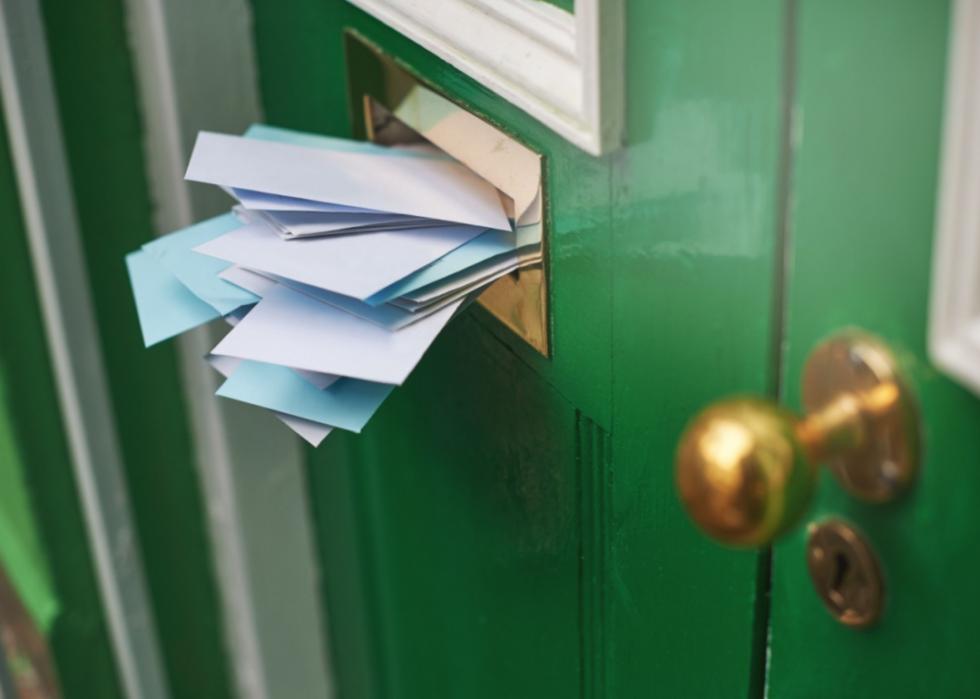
x,y
954,315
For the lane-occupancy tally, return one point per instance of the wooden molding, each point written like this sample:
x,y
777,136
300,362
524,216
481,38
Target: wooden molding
x,y
564,69
954,318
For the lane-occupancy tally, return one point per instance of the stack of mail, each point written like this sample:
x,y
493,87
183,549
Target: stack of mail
x,y
339,264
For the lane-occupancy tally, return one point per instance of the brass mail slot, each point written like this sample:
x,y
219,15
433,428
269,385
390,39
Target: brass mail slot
x,y
399,109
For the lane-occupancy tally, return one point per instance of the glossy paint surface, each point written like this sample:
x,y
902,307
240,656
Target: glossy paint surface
x,y
507,525
869,107
695,204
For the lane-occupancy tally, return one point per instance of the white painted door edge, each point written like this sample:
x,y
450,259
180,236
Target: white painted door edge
x,y
564,69
954,316
41,170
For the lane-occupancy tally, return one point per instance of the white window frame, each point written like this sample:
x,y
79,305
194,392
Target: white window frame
x,y
564,69
954,318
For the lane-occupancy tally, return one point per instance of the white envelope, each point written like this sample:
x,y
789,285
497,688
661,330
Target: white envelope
x,y
311,224
386,315
314,378
291,329
470,279
353,265
258,284
274,202
425,187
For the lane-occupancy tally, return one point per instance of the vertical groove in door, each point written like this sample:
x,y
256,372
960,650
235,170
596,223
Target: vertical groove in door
x,y
594,478
781,258
784,203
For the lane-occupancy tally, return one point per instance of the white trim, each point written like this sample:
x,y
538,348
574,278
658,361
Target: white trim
x,y
954,344
196,70
40,166
565,70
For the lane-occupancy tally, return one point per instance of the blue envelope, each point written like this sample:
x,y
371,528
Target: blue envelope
x,y
199,273
483,248
347,403
165,306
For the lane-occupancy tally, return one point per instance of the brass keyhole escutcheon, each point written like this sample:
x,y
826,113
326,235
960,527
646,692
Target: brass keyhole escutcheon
x,y
845,573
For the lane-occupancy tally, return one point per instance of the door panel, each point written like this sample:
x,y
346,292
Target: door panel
x,y
696,201
869,108
472,544
474,487
507,524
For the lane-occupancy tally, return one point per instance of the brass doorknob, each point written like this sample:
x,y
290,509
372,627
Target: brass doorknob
x,y
746,468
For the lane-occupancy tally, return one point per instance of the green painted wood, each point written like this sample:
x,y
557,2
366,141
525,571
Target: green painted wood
x,y
312,94
94,85
870,98
507,525
695,205
76,631
21,551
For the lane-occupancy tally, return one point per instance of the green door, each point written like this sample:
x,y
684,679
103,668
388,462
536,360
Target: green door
x,y
507,525
870,96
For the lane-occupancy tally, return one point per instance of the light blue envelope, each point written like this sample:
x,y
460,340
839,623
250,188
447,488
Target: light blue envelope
x,y
482,248
164,305
347,403
198,272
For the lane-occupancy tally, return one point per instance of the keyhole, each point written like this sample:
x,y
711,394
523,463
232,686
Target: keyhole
x,y
845,573
841,567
